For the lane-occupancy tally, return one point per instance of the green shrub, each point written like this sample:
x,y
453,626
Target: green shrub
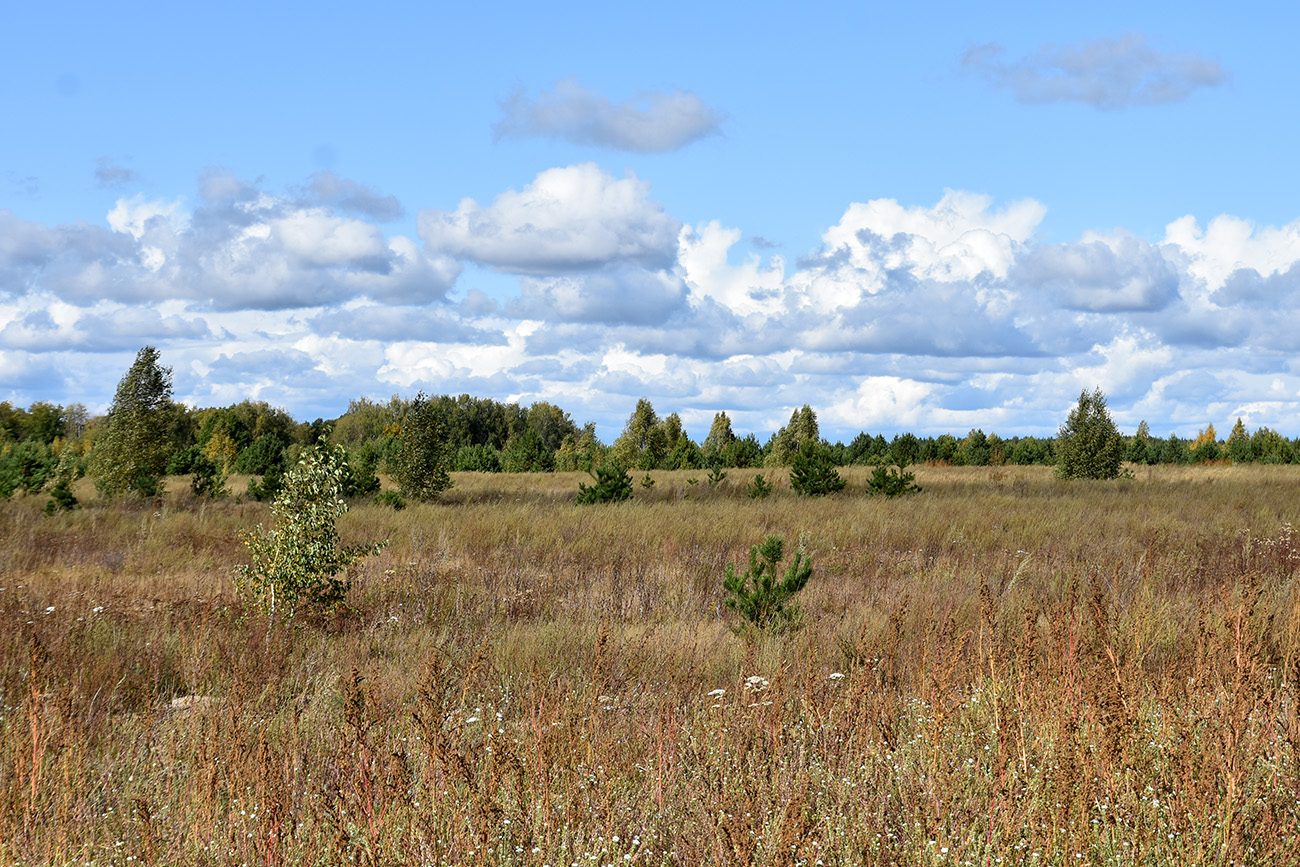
x,y
477,459
392,499
526,452
813,472
208,478
765,603
27,465
759,488
300,560
613,484
360,478
262,454
61,497
716,475
891,482
267,487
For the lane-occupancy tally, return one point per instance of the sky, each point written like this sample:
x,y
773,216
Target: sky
x,y
911,217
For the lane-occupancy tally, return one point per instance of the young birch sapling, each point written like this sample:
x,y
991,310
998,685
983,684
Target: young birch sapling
x,y
301,560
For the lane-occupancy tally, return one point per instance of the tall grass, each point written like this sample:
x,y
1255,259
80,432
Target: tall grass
x,y
1005,669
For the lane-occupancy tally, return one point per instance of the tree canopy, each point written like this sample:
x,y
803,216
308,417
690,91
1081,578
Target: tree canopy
x,y
1089,445
132,451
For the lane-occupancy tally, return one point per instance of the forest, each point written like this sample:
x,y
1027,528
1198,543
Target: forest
x,y
478,434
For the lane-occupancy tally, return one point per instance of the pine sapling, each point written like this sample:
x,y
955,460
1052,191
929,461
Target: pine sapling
x,y
766,604
813,472
613,484
891,482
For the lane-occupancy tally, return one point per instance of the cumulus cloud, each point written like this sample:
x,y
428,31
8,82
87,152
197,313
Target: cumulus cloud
x,y
22,374
240,248
748,288
445,369
935,317
958,240
614,295
1248,287
651,122
881,401
111,330
1102,73
281,364
919,318
1228,244
132,216
1101,274
567,219
388,324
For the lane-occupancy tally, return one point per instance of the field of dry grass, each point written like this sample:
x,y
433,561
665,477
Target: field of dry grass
x,y
1005,669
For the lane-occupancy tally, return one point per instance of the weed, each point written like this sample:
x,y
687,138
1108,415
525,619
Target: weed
x,y
1096,674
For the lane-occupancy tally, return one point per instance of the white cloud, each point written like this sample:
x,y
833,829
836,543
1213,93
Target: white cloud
x,y
43,324
1102,273
958,240
1230,244
881,401
567,219
388,324
1103,73
131,216
931,318
241,248
319,240
744,289
651,122
330,190
1124,368
615,295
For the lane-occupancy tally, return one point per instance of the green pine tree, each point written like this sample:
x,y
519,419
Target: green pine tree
x,y
813,472
613,484
1239,444
766,603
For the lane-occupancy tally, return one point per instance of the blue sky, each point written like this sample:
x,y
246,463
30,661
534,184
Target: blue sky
x,y
924,217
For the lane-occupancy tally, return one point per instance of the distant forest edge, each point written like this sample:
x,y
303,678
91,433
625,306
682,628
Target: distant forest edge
x,y
485,435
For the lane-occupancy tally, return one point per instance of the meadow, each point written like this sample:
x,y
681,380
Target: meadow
x,y
1004,669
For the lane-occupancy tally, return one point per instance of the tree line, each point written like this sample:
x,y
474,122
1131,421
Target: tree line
x,y
147,435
